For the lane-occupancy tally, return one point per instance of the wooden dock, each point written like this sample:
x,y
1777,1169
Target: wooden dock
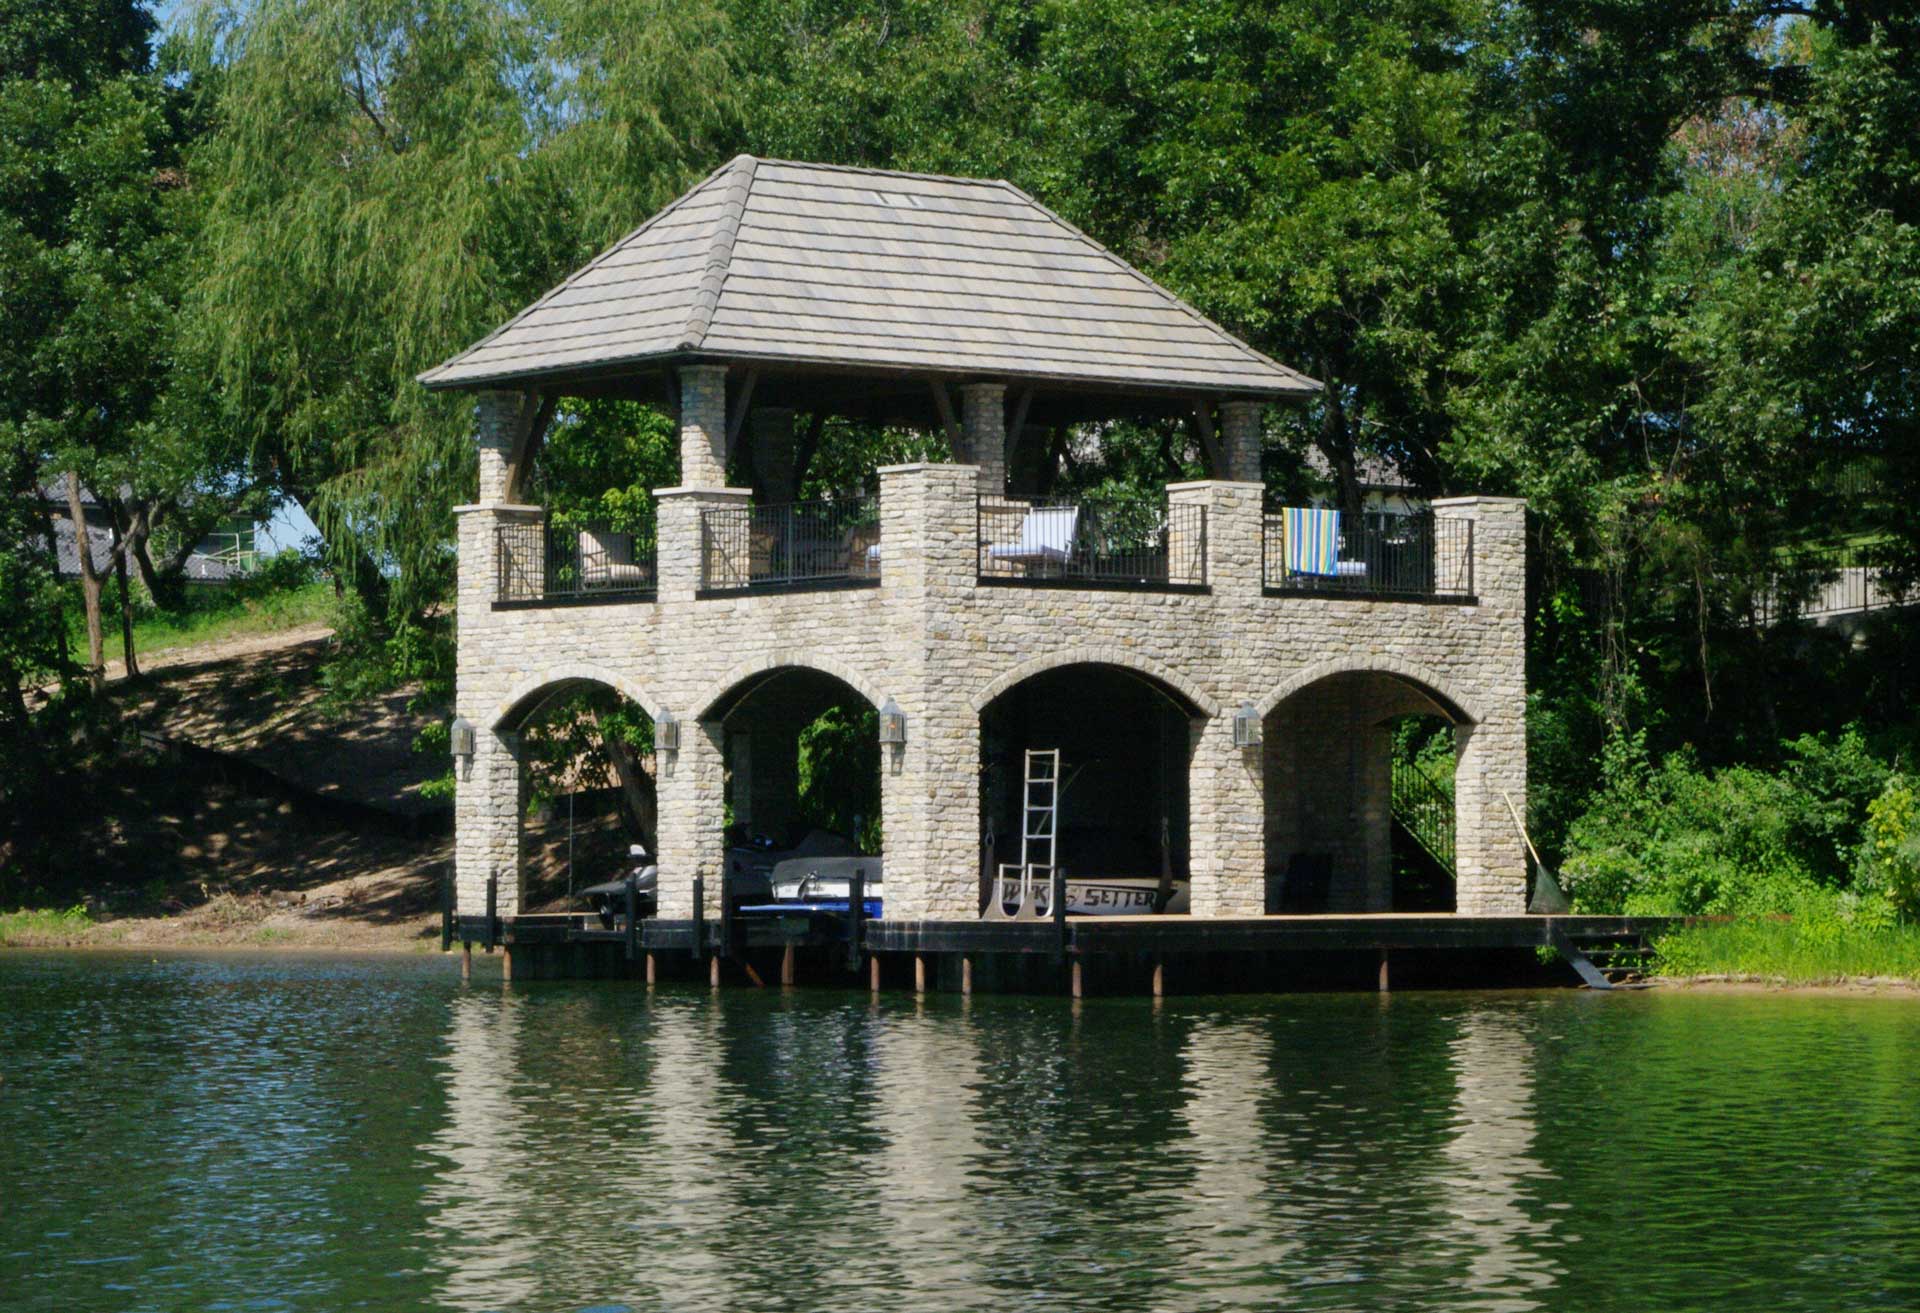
x,y
1131,954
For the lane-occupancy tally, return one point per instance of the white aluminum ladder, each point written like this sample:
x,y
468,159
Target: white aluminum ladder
x,y
1026,890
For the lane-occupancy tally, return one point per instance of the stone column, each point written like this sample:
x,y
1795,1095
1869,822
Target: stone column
x,y
488,803
1226,818
983,420
691,790
1240,437
930,788
1491,755
703,426
1224,548
685,553
496,422
773,454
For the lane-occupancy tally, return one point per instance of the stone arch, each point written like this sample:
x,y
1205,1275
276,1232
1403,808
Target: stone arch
x,y
717,692
530,693
1099,656
1461,710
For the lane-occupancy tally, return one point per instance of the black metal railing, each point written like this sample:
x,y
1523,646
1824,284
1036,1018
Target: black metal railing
x,y
798,545
1424,809
1820,584
1128,544
1386,554
556,561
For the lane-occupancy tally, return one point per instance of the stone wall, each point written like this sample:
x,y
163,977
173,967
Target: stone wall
x,y
941,644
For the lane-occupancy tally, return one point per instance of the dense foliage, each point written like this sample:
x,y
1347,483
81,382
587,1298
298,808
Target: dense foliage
x,y
1653,264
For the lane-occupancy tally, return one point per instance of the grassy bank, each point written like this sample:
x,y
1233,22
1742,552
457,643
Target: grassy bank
x,y
1798,952
44,927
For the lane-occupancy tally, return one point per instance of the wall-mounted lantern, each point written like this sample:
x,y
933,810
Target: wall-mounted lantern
x,y
460,736
666,732
893,725
1246,727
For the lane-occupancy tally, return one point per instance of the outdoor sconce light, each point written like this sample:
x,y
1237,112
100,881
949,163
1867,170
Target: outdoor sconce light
x,y
1246,727
461,736
893,725
666,732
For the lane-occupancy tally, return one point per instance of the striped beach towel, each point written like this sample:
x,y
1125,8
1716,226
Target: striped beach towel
x,y
1313,540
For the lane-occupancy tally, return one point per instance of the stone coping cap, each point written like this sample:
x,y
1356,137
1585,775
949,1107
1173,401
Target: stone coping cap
x,y
1198,485
499,508
917,466
718,494
1478,499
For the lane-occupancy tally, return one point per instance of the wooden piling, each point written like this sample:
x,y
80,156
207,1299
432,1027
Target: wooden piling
x,y
919,974
1159,978
787,965
466,963
506,966
873,973
652,970
1383,970
1076,977
713,972
966,976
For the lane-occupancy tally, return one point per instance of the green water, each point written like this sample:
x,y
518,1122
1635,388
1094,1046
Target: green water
x,y
261,1133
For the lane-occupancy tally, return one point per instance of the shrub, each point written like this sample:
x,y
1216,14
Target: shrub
x,y
1890,856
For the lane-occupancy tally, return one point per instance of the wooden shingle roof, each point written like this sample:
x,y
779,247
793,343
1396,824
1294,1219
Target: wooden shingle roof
x,y
817,265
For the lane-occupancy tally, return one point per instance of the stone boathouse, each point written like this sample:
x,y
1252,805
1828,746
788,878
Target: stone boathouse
x,y
1222,697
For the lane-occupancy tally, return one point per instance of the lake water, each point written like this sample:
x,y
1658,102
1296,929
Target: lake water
x,y
282,1132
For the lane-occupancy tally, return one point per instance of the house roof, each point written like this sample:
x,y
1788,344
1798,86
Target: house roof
x,y
819,265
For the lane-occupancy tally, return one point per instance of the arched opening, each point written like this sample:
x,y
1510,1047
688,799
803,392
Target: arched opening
x,y
1116,819
802,778
1359,796
588,804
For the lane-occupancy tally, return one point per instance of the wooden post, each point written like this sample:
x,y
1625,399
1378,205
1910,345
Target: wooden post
x,y
1076,977
1159,979
506,966
466,963
966,976
652,971
919,974
1383,970
873,973
713,971
787,965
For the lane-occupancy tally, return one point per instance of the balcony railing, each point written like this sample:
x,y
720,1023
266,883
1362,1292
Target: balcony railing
x,y
1116,544
540,561
797,546
1382,555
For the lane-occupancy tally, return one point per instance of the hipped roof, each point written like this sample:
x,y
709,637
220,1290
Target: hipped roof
x,y
811,265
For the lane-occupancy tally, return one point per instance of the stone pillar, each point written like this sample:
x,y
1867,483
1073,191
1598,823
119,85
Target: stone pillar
x,y
488,803
983,421
685,552
496,423
773,454
1225,829
1240,437
930,788
1491,755
1224,547
691,790
703,426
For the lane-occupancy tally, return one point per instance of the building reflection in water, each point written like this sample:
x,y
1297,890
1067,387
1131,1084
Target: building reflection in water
x,y
928,1107
1219,1218
1490,1176
474,1208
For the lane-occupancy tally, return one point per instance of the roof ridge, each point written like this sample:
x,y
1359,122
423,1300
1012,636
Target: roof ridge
x,y
617,245
720,254
1178,301
884,173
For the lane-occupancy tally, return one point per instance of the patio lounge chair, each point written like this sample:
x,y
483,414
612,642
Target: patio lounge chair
x,y
1047,538
605,561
